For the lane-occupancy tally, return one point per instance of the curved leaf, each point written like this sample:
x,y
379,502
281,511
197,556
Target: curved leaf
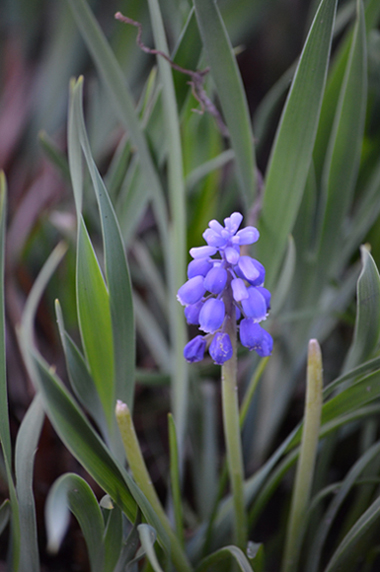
x,y
367,325
72,492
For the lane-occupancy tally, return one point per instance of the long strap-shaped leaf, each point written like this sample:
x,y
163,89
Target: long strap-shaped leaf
x,y
292,150
177,255
117,272
343,155
357,532
114,80
26,445
5,438
231,94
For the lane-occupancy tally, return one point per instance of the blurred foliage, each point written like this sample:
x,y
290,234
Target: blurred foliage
x,y
330,208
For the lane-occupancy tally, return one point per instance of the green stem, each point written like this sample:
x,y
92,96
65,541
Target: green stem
x,y
143,480
232,429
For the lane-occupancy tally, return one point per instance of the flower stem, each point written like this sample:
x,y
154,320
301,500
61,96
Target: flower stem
x,y
143,480
232,428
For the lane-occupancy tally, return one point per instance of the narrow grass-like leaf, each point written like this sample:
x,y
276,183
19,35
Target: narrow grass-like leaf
x,y
117,273
26,444
113,538
197,174
114,81
148,538
364,215
66,417
5,438
229,85
79,375
306,463
367,326
372,13
343,155
80,438
225,553
347,546
292,150
95,320
285,278
328,519
152,334
177,255
175,480
146,488
72,492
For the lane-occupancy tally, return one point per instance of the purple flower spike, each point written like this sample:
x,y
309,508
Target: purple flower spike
x,y
221,348
215,280
192,291
211,315
195,349
228,281
254,337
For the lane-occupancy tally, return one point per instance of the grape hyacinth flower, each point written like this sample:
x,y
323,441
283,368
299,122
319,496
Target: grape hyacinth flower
x,y
218,287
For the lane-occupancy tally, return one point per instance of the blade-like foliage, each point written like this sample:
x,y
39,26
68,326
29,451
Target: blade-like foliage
x,y
230,90
292,150
71,492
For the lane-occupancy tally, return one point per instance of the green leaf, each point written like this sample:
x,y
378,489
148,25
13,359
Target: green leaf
x,y
5,438
113,538
95,320
225,553
230,89
327,522
79,375
292,150
177,255
175,479
346,548
26,444
343,154
72,492
148,538
123,104
117,274
80,438
66,417
367,325
362,392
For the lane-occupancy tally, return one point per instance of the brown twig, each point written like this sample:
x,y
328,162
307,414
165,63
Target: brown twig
x,y
197,77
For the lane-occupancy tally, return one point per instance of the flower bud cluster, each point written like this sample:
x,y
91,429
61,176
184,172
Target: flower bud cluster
x,y
211,281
